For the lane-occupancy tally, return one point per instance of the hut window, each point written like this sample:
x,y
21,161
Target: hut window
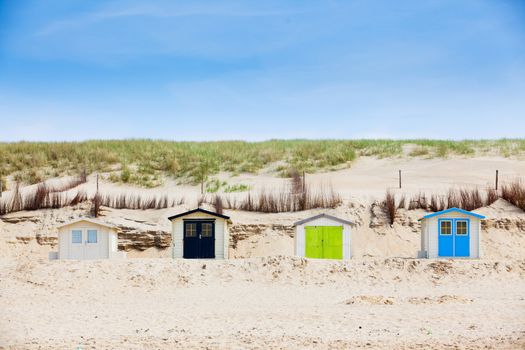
x,y
92,236
207,229
191,230
76,236
461,227
445,228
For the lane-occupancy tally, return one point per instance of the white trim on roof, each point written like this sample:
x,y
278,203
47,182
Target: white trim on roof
x,y
323,215
93,221
457,210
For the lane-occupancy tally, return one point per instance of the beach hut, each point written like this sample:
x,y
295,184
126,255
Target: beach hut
x,y
85,238
323,237
451,233
200,234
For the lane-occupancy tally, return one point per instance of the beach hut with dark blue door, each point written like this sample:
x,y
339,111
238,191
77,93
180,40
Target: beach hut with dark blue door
x,y
451,233
200,234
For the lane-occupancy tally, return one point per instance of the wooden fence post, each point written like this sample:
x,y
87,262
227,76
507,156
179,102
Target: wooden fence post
x,y
399,178
497,175
304,183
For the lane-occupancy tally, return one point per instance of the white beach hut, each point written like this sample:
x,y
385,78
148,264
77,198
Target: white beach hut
x,y
85,238
200,234
323,237
451,233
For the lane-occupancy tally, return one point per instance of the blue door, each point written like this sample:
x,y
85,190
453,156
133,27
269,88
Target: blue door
x,y
454,238
446,237
461,238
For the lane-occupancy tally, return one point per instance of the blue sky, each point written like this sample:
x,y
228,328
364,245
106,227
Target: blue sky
x,y
255,70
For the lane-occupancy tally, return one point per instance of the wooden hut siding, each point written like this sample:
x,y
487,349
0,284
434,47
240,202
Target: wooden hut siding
x,y
63,245
300,242
424,240
221,235
113,243
177,238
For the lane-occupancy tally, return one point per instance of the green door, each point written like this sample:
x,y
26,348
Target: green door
x,y
333,242
324,242
314,242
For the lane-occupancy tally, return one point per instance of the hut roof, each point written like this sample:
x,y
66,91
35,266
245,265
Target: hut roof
x,y
199,210
323,215
90,220
450,210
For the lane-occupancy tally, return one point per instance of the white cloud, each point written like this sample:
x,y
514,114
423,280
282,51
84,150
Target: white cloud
x,y
160,10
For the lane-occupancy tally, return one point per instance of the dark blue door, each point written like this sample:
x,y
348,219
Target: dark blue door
x,y
199,239
191,240
207,240
445,237
461,238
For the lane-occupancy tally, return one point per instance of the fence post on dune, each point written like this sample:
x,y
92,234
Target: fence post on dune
x,y
399,178
304,184
497,175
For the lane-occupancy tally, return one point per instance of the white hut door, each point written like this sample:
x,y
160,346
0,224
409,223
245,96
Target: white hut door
x,y
92,244
76,247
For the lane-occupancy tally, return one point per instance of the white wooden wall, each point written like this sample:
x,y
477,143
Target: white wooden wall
x,y
107,242
422,253
431,232
300,241
221,235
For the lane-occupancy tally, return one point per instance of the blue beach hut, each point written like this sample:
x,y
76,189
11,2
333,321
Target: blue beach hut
x,y
451,233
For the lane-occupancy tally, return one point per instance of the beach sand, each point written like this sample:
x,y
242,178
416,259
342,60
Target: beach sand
x,y
263,303
265,298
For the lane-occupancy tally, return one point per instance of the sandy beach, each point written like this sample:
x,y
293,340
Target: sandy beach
x,y
264,298
263,303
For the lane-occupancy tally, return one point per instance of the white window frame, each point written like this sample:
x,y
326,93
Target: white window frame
x,y
451,222
90,231
466,227
73,236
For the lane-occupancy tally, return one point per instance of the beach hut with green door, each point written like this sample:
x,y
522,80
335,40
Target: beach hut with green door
x,y
323,237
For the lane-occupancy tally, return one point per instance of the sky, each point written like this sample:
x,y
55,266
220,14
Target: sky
x,y
257,70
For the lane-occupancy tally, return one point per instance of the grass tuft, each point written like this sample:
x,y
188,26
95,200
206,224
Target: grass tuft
x,y
390,207
514,193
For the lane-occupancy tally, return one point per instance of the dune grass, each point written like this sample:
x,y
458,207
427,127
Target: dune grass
x,y
142,162
297,196
215,185
390,206
467,199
